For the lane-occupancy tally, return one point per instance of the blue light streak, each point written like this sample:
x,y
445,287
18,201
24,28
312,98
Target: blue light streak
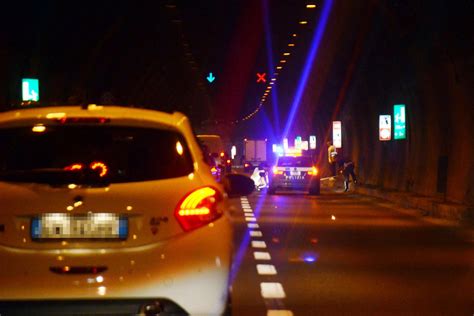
x,y
317,37
268,42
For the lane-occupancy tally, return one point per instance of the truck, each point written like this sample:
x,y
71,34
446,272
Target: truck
x,y
213,143
255,152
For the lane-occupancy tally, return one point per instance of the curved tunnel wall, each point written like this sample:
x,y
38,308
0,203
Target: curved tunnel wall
x,y
416,55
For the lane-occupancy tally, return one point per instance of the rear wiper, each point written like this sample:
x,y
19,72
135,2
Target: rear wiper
x,y
54,176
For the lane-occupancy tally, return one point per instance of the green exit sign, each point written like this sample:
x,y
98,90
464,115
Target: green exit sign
x,y
399,121
30,89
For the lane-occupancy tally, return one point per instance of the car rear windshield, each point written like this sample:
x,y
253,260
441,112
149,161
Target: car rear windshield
x,y
294,162
112,153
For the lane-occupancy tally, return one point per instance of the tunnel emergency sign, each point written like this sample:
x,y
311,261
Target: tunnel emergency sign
x,y
399,119
337,134
312,142
385,127
30,89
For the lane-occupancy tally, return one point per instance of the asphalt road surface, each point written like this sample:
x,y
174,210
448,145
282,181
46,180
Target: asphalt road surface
x,y
347,254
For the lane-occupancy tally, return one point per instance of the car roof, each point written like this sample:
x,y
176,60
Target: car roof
x,y
90,111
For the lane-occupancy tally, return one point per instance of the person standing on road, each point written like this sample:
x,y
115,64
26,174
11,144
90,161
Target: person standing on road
x,y
332,158
347,170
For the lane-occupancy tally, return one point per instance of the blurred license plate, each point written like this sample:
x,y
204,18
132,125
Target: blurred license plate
x,y
295,173
86,226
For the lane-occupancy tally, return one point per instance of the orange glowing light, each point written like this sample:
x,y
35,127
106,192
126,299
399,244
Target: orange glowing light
x,y
76,166
99,165
313,172
179,148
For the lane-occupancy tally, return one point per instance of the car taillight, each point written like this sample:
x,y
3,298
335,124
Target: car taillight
x,y
276,171
198,208
313,172
75,166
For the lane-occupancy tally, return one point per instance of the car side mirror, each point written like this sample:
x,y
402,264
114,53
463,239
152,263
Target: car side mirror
x,y
237,185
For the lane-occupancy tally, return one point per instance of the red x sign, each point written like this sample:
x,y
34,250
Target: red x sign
x,y
261,77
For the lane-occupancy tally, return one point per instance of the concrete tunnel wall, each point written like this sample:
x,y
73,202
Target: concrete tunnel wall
x,y
376,55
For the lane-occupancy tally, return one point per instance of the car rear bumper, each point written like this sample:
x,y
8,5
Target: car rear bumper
x,y
191,271
301,184
114,307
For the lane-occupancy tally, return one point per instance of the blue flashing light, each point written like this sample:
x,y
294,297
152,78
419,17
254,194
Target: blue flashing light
x,y
317,37
268,42
310,257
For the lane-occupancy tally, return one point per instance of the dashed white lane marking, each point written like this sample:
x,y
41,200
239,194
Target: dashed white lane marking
x,y
266,269
268,290
281,312
272,290
255,233
258,244
260,255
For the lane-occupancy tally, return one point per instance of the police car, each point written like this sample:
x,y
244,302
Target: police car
x,y
295,173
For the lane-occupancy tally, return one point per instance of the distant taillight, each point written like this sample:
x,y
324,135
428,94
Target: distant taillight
x,y
198,208
276,171
313,172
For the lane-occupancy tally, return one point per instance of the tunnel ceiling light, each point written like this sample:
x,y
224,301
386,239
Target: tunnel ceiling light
x,y
291,45
286,54
283,61
303,22
294,35
279,67
311,6
274,79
